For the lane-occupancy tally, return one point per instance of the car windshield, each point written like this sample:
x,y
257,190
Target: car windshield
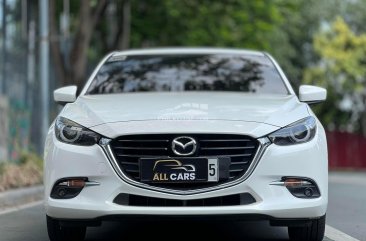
x,y
188,72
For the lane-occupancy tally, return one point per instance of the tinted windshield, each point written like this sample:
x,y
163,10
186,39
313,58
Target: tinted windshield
x,y
205,72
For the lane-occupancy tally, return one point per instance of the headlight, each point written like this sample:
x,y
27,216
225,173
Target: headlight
x,y
296,133
70,132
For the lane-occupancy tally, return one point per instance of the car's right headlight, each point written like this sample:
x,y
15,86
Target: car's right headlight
x,y
70,132
299,132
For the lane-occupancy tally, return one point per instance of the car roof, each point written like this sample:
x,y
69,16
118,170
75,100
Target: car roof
x,y
185,50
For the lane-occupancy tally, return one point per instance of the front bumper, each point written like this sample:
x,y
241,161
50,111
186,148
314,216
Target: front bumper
x,y
303,160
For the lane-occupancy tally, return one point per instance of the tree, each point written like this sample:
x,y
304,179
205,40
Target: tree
x,y
88,16
291,42
231,23
152,23
342,70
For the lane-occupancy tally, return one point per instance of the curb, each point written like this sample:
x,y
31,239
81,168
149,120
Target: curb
x,y
20,196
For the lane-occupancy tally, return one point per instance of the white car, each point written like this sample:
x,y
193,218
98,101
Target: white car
x,y
192,132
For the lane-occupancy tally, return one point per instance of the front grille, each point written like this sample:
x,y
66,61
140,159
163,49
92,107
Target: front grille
x,y
128,149
230,200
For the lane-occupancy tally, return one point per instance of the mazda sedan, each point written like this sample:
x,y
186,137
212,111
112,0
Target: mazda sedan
x,y
187,133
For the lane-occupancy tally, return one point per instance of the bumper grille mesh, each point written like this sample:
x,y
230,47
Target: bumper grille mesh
x,y
230,200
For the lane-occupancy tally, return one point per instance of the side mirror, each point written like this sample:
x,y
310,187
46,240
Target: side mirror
x,y
312,94
65,95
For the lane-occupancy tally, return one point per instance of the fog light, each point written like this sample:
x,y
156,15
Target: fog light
x,y
61,192
293,182
301,187
73,183
67,188
308,192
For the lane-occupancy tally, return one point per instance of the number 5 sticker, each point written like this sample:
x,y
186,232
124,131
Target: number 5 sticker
x,y
212,170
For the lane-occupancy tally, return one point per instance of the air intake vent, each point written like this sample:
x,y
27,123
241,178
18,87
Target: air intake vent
x,y
230,200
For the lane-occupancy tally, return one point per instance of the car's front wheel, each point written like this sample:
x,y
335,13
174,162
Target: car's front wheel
x,y
313,232
56,232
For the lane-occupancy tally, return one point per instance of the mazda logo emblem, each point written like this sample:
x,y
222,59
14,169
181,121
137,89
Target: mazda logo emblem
x,y
184,146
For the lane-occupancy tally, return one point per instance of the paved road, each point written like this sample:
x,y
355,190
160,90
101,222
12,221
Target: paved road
x,y
347,212
29,225
347,203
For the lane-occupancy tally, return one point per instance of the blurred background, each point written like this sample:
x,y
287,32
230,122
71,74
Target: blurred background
x,y
48,44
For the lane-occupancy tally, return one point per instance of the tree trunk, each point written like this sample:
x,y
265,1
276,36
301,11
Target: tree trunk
x,y
57,57
122,38
126,23
88,19
78,58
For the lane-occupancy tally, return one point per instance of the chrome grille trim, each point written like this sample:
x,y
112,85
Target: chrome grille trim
x,y
140,148
264,142
137,141
228,148
239,149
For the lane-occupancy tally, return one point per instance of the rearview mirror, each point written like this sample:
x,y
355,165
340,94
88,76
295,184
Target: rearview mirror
x,y
312,94
65,95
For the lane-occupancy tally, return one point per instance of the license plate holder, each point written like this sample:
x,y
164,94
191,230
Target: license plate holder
x,y
179,170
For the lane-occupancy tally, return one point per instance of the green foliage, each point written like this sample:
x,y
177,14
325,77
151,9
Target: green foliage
x,y
232,23
19,128
342,70
2,167
32,157
354,12
291,43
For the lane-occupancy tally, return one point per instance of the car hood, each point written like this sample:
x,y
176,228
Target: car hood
x,y
274,110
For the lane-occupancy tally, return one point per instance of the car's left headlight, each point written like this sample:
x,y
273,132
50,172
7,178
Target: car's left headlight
x,y
299,132
70,132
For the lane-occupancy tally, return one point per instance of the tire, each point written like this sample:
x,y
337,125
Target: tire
x,y
56,232
313,232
